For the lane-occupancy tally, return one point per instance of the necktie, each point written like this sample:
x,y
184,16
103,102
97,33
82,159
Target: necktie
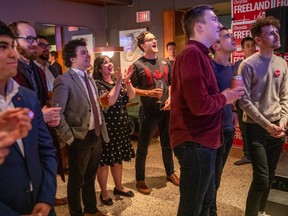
x,y
93,103
33,80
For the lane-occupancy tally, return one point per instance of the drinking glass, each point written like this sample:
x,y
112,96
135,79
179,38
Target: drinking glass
x,y
104,99
160,85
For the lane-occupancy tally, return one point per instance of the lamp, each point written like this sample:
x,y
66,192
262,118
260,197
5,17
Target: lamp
x,y
107,50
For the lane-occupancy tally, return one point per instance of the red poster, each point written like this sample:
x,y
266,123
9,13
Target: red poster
x,y
239,32
244,11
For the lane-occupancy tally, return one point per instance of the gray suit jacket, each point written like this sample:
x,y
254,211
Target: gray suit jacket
x,y
69,92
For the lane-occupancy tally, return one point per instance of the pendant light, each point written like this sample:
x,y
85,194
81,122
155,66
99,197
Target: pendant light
x,y
107,50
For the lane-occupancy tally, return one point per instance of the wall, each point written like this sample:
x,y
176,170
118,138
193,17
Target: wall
x,y
124,17
56,12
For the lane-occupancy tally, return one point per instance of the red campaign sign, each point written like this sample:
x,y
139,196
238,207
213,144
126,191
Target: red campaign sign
x,y
239,32
236,56
250,10
286,57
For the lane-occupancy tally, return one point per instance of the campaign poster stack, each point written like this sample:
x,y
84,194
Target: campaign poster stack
x,y
244,13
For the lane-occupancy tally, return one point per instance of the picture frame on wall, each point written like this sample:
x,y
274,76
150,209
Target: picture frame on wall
x,y
128,40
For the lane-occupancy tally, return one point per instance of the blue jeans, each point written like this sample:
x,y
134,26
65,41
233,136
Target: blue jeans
x,y
148,122
221,158
264,151
197,178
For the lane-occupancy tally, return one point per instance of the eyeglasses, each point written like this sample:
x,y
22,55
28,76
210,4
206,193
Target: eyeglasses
x,y
44,46
150,40
29,39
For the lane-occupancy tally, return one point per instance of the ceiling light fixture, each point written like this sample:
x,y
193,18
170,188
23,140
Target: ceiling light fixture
x,y
107,50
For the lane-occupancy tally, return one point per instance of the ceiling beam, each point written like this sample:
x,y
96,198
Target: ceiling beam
x,y
102,2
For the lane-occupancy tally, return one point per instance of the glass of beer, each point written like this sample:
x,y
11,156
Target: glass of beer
x,y
104,99
49,99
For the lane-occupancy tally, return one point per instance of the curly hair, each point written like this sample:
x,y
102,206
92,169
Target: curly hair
x,y
140,39
193,15
97,66
69,50
256,28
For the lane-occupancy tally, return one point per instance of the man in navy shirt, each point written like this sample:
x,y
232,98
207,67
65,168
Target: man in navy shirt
x,y
223,71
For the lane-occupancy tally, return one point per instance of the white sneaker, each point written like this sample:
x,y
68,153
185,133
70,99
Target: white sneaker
x,y
263,214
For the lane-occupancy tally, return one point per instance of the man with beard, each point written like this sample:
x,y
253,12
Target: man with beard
x,y
151,77
42,62
29,74
265,107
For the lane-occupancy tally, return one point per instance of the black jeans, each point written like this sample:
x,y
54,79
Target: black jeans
x,y
221,158
148,123
84,159
243,129
265,152
197,178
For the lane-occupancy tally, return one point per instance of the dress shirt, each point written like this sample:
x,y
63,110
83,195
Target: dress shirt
x,y
82,78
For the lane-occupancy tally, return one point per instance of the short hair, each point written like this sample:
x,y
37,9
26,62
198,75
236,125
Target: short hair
x,y
54,54
211,48
246,39
69,50
97,66
193,15
14,27
43,37
256,28
140,39
5,30
171,43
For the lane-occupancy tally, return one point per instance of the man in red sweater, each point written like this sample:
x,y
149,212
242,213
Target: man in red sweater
x,y
196,112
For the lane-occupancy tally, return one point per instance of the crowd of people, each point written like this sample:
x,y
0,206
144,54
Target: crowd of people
x,y
44,110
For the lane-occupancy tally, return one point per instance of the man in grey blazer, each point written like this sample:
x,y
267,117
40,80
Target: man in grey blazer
x,y
82,127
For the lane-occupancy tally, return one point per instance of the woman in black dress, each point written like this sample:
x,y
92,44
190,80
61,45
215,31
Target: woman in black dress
x,y
119,148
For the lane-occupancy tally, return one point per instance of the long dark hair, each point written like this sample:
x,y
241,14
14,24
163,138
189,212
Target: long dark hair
x,y
97,66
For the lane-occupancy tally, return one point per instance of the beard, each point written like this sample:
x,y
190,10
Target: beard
x,y
44,56
28,53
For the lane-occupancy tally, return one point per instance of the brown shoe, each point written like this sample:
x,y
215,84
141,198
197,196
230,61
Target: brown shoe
x,y
142,187
95,214
60,201
174,179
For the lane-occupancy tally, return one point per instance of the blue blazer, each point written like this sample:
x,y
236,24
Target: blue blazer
x,y
38,167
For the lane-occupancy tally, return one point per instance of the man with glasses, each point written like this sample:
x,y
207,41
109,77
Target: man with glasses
x,y
223,71
43,49
151,77
29,74
42,62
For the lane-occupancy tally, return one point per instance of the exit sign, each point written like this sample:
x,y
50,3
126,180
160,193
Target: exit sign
x,y
143,16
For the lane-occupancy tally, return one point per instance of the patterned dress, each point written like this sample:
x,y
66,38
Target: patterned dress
x,y
119,148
